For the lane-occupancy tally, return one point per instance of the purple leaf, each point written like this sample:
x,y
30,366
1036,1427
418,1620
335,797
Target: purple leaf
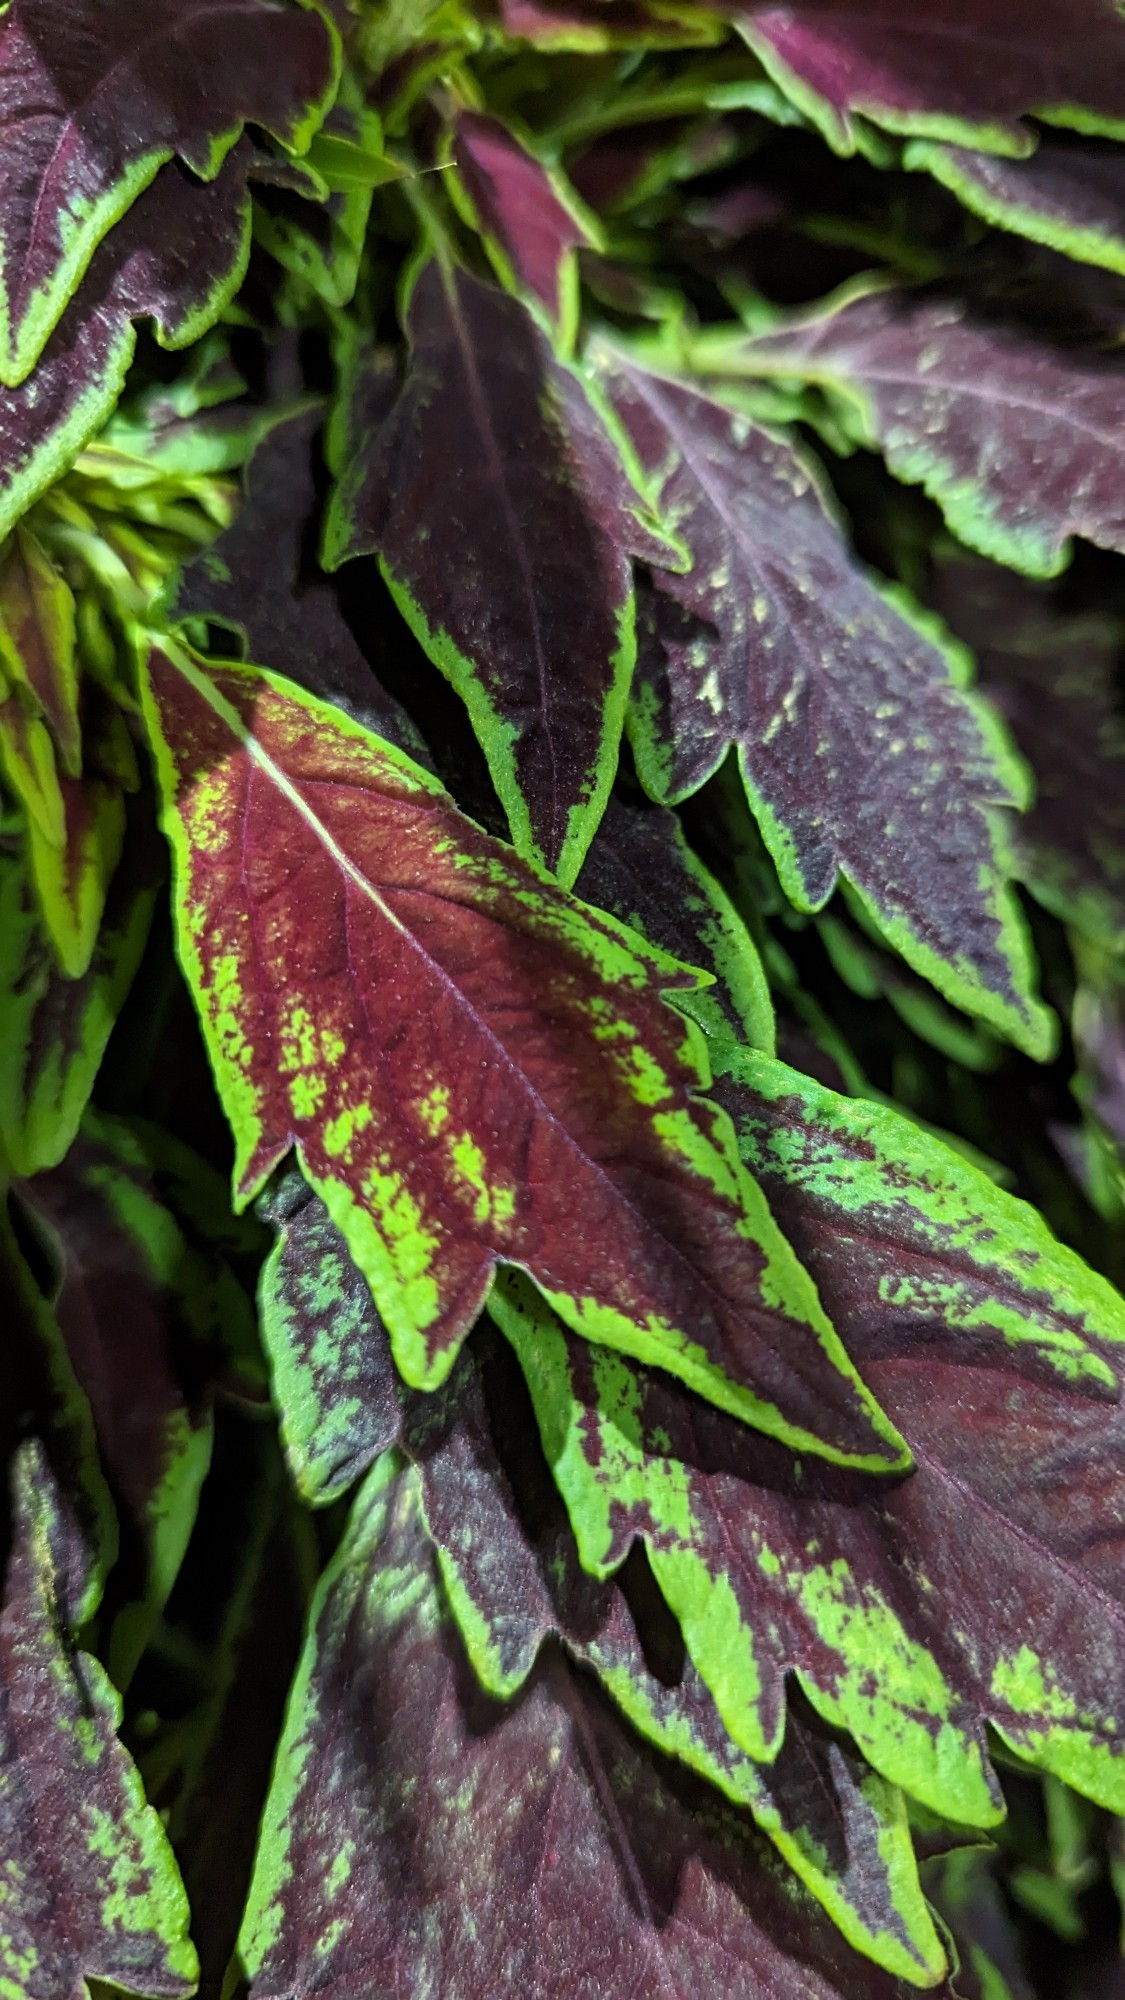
x,y
1066,195
257,577
593,25
861,752
94,97
176,258
536,1847
1053,676
966,70
90,1887
1021,444
505,521
529,231
513,1586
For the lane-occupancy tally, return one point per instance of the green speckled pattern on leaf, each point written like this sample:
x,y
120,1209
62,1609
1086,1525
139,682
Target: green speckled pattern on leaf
x,y
474,1065
973,1589
478,1849
863,753
92,1890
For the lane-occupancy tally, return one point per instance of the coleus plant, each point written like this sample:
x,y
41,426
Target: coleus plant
x,y
562,911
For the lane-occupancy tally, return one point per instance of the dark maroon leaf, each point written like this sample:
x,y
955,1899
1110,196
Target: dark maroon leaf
x,y
175,258
641,868
952,69
984,1585
862,753
145,1317
1020,442
536,1848
510,1569
260,577
1066,195
90,1887
93,97
505,520
1053,676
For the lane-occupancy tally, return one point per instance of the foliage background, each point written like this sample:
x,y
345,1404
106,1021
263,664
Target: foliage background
x,y
530,1469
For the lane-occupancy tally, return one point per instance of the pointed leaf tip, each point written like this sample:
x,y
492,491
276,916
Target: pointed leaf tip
x,y
505,520
474,1065
861,752
537,1847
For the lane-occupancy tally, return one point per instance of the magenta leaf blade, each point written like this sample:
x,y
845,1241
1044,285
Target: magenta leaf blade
x,y
473,1065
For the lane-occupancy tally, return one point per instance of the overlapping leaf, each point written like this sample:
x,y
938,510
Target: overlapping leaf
x,y
257,578
955,69
473,1065
641,869
37,652
88,1885
861,751
1067,196
536,1847
530,231
145,1315
1021,444
176,258
334,1380
1053,677
54,1029
321,242
512,1586
94,99
505,521
981,1587
592,26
